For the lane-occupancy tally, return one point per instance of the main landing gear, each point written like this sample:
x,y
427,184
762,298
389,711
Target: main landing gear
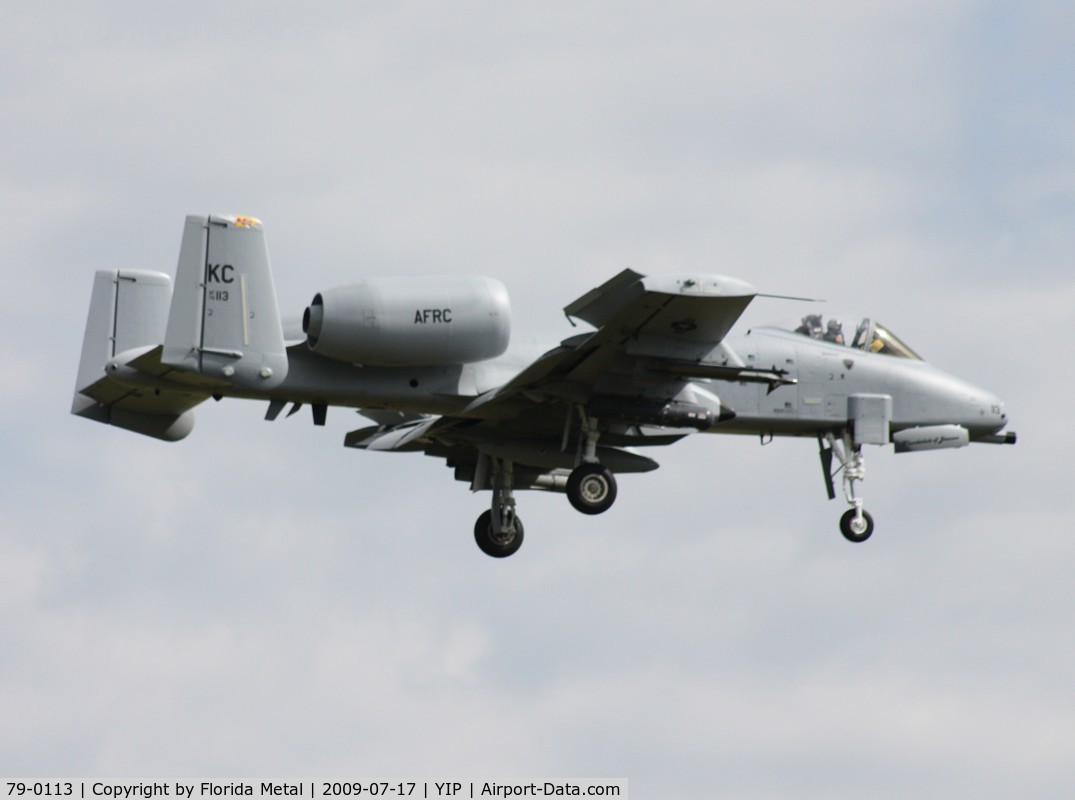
x,y
591,489
856,524
500,541
498,531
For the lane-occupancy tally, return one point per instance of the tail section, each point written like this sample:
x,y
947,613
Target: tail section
x,y
224,322
150,354
128,312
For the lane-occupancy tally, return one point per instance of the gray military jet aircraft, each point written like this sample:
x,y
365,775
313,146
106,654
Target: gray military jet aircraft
x,y
427,361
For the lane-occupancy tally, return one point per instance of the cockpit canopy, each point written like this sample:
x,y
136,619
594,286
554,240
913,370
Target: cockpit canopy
x,y
854,332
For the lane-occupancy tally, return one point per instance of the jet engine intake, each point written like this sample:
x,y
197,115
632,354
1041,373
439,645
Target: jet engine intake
x,y
397,322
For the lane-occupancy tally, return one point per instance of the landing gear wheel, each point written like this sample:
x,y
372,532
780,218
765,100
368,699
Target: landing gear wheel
x,y
855,530
497,545
591,488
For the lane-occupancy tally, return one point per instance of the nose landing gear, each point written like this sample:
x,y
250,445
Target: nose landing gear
x,y
856,524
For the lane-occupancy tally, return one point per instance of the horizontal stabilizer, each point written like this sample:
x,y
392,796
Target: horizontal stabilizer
x,y
121,350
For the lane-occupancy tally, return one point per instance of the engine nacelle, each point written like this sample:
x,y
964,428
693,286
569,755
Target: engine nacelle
x,y
397,322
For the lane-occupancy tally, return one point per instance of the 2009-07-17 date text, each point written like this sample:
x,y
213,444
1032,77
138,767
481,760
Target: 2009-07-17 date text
x,y
373,789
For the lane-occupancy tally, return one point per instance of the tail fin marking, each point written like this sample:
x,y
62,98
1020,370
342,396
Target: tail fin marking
x,y
224,321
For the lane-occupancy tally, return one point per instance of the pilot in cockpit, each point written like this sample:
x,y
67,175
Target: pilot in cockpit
x,y
811,326
834,332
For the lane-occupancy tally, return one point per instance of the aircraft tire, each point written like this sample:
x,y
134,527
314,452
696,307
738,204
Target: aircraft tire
x,y
591,489
846,523
490,543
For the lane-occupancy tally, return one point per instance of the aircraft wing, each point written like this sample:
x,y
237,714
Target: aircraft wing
x,y
652,336
645,326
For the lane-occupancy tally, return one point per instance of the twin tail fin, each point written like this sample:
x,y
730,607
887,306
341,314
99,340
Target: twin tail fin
x,y
151,353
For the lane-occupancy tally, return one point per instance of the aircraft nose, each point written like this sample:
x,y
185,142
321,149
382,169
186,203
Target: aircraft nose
x,y
991,414
939,398
980,411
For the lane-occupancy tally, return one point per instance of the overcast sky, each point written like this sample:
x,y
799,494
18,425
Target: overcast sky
x,y
257,602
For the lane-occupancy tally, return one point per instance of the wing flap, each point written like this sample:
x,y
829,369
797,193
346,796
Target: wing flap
x,y
597,305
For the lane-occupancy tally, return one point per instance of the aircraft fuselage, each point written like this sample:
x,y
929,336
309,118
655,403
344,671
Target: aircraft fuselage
x,y
828,374
820,377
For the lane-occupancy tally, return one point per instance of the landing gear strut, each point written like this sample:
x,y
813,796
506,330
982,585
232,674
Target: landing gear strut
x,y
498,531
591,488
856,524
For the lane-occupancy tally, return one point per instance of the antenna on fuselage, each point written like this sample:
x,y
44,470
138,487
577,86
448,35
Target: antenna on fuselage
x,y
789,297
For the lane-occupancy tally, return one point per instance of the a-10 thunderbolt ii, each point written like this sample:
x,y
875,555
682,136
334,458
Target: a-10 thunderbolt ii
x,y
426,360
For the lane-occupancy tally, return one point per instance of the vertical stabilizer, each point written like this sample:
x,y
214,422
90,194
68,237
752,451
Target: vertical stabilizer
x,y
224,320
126,321
128,309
